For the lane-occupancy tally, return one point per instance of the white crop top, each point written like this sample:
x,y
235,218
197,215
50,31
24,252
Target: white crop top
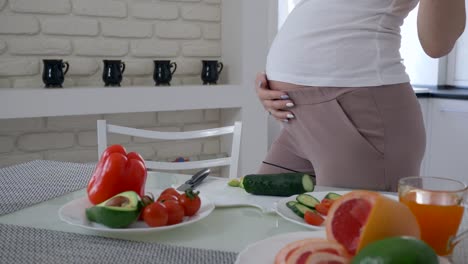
x,y
340,43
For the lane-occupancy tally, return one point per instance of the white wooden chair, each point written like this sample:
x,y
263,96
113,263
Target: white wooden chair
x,y
103,128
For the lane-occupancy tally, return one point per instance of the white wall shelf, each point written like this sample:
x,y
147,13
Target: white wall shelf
x,y
41,102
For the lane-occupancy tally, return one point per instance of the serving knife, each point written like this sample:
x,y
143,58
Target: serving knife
x,y
196,179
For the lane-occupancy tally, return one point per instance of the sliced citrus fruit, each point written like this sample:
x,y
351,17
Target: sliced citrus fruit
x,y
303,251
319,252
361,217
325,258
287,250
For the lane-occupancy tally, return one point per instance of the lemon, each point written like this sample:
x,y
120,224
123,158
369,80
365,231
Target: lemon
x,y
396,250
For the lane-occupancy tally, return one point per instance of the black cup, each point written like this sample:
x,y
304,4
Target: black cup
x,y
112,72
162,71
53,74
211,70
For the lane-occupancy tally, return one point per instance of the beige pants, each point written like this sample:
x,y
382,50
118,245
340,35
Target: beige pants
x,y
365,138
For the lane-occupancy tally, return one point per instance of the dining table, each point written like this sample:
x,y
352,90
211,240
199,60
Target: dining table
x,y
33,231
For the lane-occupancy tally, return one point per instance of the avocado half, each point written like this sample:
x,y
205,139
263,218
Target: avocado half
x,y
118,211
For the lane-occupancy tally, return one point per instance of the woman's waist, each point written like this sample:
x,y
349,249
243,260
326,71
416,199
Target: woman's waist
x,y
290,82
318,94
285,86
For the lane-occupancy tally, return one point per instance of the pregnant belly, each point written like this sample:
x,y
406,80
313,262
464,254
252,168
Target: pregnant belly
x,y
284,86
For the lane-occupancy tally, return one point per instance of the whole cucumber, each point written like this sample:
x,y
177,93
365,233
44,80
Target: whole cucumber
x,y
281,184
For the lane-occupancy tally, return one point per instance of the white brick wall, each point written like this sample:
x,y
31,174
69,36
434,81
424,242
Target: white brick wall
x,y
19,24
175,30
100,8
39,46
61,26
160,11
10,67
41,6
83,33
3,46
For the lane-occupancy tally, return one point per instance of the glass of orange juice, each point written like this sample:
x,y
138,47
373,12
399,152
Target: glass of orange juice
x,y
438,205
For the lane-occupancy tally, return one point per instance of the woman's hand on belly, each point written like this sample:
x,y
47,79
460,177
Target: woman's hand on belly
x,y
277,103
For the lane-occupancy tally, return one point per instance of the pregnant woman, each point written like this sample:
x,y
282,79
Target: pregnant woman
x,y
335,78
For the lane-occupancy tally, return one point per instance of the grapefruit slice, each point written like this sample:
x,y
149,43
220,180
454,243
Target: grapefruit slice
x,y
287,250
326,258
304,251
362,217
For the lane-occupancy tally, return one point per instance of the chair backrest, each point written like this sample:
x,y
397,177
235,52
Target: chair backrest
x,y
103,128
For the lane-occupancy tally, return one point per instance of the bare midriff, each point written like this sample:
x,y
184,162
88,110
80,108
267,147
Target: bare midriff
x,y
284,86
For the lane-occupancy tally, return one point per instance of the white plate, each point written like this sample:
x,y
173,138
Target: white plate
x,y
282,210
74,213
264,251
223,195
289,215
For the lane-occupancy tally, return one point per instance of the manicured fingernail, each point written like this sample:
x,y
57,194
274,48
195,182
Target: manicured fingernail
x,y
286,120
290,116
260,84
289,104
284,96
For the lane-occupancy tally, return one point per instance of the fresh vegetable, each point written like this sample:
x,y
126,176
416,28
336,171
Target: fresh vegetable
x,y
291,204
327,202
166,197
319,208
171,191
241,182
155,214
283,184
234,182
322,208
175,212
119,211
333,196
145,201
190,201
312,202
298,208
313,218
307,200
117,172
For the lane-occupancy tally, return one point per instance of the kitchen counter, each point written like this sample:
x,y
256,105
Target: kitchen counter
x,y
441,91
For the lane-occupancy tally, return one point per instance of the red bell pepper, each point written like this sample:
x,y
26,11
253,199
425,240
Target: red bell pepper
x,y
117,172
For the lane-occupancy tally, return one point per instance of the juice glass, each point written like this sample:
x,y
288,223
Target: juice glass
x,y
438,205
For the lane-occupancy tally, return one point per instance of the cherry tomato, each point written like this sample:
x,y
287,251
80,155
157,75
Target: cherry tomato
x,y
190,201
313,218
327,202
175,212
146,200
322,208
171,191
155,214
166,197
